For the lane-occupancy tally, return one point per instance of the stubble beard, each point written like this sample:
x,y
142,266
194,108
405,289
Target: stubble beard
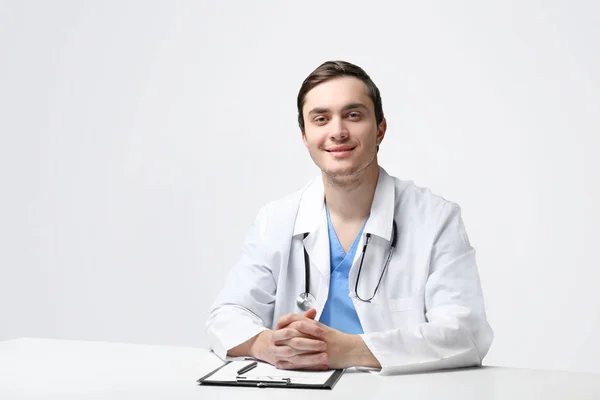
x,y
351,178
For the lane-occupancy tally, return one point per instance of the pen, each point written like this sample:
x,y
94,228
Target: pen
x,y
247,368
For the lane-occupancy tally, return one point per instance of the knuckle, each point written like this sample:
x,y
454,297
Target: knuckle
x,y
281,335
293,325
288,352
280,351
289,333
295,359
283,365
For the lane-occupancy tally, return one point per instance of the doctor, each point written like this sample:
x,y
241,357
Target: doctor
x,y
358,268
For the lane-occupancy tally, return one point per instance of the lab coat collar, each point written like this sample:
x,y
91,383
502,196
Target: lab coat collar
x,y
380,221
311,208
312,204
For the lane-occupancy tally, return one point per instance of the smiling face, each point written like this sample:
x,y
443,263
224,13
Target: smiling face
x,y
341,132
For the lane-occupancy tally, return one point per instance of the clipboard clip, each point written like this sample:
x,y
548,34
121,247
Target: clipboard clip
x,y
264,381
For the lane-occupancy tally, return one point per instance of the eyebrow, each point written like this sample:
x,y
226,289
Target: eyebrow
x,y
352,106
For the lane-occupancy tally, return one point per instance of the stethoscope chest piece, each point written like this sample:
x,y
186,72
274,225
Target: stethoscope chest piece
x,y
305,301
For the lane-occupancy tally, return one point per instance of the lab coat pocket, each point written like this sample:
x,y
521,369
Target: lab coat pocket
x,y
403,303
407,311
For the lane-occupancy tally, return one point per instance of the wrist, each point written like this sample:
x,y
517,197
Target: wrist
x,y
359,354
341,350
258,344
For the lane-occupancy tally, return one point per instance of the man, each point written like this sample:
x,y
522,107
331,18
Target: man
x,y
391,272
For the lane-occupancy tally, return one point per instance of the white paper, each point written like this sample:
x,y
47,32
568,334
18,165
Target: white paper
x,y
266,372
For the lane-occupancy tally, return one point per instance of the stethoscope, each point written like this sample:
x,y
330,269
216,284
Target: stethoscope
x,y
306,300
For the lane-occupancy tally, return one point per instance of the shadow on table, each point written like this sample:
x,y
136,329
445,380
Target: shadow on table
x,y
439,371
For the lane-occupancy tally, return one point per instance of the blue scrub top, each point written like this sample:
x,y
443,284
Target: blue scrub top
x,y
339,312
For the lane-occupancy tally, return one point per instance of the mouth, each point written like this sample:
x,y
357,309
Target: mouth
x,y
340,152
340,149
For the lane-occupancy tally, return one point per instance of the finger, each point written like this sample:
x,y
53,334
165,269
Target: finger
x,y
292,331
284,334
304,344
288,319
284,352
311,314
302,361
289,365
308,327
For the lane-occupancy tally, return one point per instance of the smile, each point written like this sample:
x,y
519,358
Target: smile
x,y
340,150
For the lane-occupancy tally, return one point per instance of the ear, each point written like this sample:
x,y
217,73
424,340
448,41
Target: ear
x,y
304,139
381,129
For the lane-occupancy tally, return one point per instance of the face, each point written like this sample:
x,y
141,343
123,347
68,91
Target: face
x,y
341,133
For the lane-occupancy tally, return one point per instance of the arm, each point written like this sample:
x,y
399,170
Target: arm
x,y
244,307
249,347
238,321
356,353
456,333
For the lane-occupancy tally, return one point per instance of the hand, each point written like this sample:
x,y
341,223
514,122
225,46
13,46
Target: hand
x,y
343,350
335,340
297,345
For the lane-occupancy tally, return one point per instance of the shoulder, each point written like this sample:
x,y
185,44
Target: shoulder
x,y
285,204
422,203
427,214
276,214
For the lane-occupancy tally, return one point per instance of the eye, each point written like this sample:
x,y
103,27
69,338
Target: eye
x,y
354,115
320,120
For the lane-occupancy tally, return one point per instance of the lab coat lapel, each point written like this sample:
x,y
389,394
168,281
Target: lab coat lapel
x,y
317,247
382,210
379,225
312,219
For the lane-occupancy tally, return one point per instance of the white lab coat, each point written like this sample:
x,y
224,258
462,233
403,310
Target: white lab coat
x,y
428,312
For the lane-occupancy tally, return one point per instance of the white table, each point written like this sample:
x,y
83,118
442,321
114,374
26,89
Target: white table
x,y
62,369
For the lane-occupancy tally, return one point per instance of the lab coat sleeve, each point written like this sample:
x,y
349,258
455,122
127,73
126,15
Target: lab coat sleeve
x,y
244,307
456,332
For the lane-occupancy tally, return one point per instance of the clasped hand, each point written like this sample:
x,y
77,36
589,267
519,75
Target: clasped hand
x,y
300,342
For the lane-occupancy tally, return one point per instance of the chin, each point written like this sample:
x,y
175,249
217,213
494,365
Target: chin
x,y
339,171
345,168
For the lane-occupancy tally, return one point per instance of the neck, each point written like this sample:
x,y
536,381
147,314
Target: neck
x,y
351,197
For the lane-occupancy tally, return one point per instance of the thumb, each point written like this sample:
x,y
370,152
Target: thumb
x,y
312,313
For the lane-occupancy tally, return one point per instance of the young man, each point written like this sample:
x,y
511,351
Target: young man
x,y
387,266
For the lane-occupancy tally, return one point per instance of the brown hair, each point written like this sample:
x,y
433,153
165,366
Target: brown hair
x,y
335,69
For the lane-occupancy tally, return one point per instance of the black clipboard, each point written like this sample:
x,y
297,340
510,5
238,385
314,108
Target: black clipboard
x,y
278,383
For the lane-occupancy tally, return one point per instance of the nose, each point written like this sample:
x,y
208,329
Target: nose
x,y
338,130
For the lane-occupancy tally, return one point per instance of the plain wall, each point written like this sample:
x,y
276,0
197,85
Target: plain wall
x,y
140,139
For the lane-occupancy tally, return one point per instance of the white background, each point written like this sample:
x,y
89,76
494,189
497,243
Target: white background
x,y
139,140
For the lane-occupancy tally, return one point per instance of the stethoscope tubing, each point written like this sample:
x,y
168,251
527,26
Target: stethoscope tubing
x,y
364,250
